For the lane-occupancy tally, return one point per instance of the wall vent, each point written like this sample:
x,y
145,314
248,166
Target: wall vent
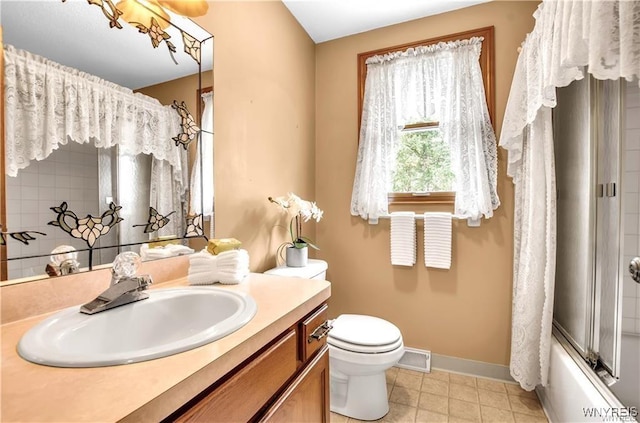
x,y
414,359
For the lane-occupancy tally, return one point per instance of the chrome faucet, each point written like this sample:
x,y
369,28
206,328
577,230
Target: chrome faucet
x,y
125,286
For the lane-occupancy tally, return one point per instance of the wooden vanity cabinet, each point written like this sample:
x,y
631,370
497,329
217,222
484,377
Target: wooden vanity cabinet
x,y
286,381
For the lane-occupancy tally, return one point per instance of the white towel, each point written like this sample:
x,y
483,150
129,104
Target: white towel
x,y
403,238
170,250
229,267
437,240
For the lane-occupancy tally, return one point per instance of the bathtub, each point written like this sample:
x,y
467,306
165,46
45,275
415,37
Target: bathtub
x,y
574,393
628,387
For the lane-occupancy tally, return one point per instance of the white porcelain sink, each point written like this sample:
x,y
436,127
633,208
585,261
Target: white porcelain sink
x,y
168,322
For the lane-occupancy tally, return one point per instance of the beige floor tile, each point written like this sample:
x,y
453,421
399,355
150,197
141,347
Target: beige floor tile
x,y
338,418
432,402
399,413
526,405
389,390
464,410
494,399
402,395
410,372
495,415
362,421
463,392
453,419
514,389
491,385
434,386
391,375
409,381
426,416
437,374
526,418
462,379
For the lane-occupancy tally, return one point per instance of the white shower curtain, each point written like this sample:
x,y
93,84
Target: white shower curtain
x,y
443,82
603,37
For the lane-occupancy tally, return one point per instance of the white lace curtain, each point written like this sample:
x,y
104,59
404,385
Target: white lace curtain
x,y
569,37
443,82
48,105
202,186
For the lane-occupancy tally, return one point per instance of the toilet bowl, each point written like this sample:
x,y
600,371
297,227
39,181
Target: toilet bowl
x,y
361,349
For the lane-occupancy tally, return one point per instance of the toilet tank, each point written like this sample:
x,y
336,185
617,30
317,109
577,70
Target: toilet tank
x,y
315,269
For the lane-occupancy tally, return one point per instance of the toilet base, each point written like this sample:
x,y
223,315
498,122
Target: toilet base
x,y
360,397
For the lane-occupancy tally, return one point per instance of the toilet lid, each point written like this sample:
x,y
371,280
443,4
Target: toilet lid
x,y
366,334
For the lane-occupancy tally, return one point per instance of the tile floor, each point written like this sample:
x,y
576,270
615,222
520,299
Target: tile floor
x,y
416,397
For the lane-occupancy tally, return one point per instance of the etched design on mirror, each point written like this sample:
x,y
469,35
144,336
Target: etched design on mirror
x,y
155,222
194,227
88,228
23,236
110,11
188,127
157,36
192,46
137,13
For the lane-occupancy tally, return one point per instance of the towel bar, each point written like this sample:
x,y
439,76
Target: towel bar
x,y
472,223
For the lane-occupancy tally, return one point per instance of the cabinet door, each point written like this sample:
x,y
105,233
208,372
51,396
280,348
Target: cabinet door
x,y
240,397
307,398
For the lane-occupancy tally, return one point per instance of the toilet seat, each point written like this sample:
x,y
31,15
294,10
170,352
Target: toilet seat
x,y
364,334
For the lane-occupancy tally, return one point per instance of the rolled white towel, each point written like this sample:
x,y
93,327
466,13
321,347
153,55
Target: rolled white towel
x,y
147,253
177,249
229,267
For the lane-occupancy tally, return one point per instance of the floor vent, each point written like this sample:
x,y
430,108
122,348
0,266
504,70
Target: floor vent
x,y
414,359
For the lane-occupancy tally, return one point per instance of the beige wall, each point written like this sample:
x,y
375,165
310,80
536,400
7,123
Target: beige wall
x,y
463,312
264,104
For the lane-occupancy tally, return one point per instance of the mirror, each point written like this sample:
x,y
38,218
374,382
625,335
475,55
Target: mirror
x,y
104,194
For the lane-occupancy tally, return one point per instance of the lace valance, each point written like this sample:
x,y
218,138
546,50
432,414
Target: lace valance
x,y
48,105
569,36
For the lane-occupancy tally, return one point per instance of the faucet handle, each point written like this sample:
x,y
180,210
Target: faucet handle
x,y
126,264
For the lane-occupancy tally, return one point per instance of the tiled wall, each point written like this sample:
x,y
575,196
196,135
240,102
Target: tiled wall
x,y
43,185
631,290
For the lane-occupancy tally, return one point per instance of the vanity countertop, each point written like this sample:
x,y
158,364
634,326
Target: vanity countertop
x,y
150,390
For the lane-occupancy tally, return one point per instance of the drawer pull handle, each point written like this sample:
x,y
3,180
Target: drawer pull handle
x,y
321,331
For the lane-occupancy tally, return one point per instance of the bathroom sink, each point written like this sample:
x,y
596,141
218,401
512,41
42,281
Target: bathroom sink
x,y
170,321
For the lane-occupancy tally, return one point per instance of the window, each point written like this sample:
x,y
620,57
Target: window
x,y
422,172
422,166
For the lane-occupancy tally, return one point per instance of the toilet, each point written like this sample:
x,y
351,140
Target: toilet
x,y
361,349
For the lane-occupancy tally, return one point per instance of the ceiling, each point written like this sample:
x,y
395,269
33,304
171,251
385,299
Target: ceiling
x,y
326,20
77,34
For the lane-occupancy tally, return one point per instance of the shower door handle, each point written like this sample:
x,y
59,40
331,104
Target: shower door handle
x,y
634,269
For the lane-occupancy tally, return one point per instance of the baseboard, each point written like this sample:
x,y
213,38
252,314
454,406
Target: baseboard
x,y
471,367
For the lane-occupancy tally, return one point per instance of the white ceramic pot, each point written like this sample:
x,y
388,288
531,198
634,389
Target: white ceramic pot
x,y
297,257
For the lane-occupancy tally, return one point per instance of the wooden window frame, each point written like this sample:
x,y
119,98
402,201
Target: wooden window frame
x,y
487,66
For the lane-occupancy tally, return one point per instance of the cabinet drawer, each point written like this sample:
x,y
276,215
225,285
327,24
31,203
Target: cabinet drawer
x,y
313,333
240,397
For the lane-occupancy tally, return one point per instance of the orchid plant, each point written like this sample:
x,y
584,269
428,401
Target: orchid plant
x,y
300,211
